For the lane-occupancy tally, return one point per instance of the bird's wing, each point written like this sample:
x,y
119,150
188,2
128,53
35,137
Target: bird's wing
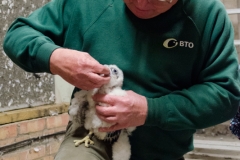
x,y
78,107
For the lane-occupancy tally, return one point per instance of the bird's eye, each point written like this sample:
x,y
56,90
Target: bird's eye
x,y
114,71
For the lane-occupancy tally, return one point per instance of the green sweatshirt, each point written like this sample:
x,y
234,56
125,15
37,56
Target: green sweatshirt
x,y
184,61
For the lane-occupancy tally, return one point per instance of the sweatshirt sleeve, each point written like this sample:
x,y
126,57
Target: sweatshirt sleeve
x,y
215,97
30,41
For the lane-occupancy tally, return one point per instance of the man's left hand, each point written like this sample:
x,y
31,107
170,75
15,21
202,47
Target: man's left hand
x,y
123,112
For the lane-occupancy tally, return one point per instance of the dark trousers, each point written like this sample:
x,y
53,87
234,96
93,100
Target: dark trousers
x,y
99,151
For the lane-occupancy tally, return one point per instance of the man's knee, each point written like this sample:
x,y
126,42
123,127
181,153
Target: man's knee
x,y
99,151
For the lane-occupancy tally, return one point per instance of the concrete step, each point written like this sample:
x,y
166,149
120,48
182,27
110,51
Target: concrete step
x,y
230,12
219,131
211,149
237,42
233,11
215,143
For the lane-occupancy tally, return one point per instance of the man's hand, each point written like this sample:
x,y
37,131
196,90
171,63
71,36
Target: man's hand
x,y
78,68
123,112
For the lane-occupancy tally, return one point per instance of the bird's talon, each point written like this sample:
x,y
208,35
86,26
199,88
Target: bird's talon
x,y
87,140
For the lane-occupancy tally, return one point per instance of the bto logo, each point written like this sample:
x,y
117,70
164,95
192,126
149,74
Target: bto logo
x,y
171,43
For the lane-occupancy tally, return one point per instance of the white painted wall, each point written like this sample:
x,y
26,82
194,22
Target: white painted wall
x,y
63,90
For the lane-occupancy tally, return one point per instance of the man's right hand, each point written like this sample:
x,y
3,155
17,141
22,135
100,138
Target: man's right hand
x,y
78,68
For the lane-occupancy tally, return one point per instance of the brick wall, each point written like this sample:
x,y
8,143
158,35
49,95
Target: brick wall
x,y
33,139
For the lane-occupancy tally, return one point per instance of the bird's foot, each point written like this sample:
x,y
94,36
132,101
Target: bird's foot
x,y
87,140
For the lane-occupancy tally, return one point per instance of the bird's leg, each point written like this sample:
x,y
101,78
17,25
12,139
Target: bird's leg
x,y
87,140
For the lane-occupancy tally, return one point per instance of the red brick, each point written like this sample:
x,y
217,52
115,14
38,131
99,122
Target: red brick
x,y
60,129
49,131
8,131
7,141
36,134
57,121
21,155
37,152
11,157
53,147
28,136
32,126
48,158
22,138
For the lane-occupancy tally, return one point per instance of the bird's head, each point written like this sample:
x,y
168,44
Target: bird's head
x,y
116,80
116,76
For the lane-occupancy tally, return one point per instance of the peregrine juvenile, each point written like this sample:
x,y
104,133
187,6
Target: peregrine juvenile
x,y
82,112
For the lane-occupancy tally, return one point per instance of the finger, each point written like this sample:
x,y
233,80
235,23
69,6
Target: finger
x,y
104,98
105,111
111,129
93,64
87,86
110,119
102,70
98,79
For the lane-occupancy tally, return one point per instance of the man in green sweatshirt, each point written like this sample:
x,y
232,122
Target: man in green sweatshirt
x,y
178,57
